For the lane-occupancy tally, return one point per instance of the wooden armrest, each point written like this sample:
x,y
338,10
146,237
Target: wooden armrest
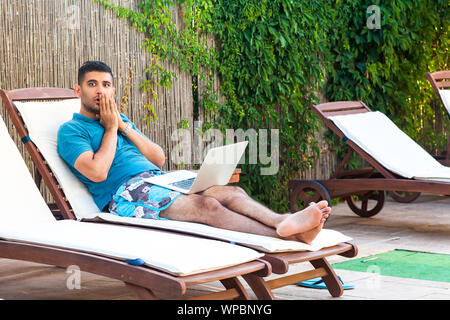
x,y
235,177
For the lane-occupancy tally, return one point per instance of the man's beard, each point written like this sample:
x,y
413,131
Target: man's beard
x,y
91,109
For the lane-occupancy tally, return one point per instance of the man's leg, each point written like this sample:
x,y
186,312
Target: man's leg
x,y
207,210
237,200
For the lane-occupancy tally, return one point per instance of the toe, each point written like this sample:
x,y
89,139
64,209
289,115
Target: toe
x,y
326,210
322,204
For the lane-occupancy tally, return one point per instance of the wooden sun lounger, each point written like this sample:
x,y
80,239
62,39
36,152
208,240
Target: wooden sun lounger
x,y
29,232
366,183
441,80
279,263
141,280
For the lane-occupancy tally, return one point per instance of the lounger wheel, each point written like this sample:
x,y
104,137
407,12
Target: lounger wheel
x,y
404,197
366,205
306,192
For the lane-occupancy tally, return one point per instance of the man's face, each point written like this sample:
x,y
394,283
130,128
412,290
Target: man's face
x,y
93,86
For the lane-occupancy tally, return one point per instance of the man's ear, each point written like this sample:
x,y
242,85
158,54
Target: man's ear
x,y
77,90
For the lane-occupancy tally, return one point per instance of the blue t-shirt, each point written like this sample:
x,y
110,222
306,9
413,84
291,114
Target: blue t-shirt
x,y
83,134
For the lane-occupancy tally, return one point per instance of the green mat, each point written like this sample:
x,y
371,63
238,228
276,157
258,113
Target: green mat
x,y
403,264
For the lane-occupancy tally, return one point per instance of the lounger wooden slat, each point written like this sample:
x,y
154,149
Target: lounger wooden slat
x,y
443,84
437,78
41,94
341,112
348,105
405,185
437,82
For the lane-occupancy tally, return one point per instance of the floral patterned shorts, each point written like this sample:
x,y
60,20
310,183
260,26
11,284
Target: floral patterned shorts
x,y
140,199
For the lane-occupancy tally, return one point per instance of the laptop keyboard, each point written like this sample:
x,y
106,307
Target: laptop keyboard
x,y
183,184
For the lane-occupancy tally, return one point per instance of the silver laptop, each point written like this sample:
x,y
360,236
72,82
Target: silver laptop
x,y
216,169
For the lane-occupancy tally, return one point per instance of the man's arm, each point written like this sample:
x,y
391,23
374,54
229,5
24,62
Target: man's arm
x,y
95,166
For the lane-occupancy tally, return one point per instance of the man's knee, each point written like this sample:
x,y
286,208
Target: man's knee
x,y
226,194
210,210
238,191
209,204
196,208
235,193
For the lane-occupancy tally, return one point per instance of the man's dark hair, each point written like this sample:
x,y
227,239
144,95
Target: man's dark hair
x,y
89,66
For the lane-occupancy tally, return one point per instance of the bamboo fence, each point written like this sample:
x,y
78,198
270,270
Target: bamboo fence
x,y
44,42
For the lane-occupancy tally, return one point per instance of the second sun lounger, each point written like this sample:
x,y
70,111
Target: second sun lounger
x,y
397,163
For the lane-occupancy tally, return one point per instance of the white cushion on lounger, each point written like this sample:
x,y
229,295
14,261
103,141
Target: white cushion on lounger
x,y
377,135
43,120
445,96
21,199
326,237
173,253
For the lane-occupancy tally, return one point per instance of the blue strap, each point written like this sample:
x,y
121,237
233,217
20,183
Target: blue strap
x,y
321,280
318,281
135,262
344,139
26,139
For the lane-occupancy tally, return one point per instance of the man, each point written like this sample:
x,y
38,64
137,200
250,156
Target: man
x,y
111,156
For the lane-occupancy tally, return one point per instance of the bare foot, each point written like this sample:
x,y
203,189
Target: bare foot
x,y
308,236
304,220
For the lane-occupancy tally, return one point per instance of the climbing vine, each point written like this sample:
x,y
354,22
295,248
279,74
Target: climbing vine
x,y
385,67
275,57
184,45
